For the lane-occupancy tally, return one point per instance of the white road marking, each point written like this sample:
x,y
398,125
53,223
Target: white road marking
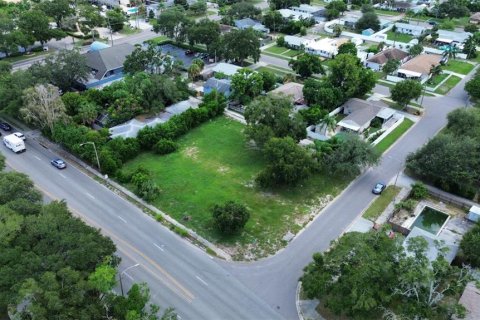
x,y
159,247
179,317
201,280
61,175
129,276
88,194
122,219
37,158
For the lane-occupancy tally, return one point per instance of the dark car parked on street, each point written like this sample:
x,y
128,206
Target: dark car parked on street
x,y
378,188
5,126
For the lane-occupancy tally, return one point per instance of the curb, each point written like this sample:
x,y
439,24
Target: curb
x,y
297,300
132,198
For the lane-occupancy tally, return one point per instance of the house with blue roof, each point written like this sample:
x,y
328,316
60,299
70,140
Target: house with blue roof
x,y
246,23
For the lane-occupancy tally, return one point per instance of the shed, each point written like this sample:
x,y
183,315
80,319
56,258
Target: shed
x,y
368,32
474,214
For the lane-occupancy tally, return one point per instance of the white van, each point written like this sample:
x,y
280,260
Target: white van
x,y
14,143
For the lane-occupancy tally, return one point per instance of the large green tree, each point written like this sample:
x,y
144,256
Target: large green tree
x,y
34,23
242,44
349,156
307,64
205,32
368,20
405,91
347,74
323,94
470,247
287,163
246,85
473,87
271,116
57,9
174,23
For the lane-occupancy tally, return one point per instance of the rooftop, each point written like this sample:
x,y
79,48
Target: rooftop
x,y
106,59
292,89
295,15
422,63
221,85
410,26
360,112
226,68
388,54
433,250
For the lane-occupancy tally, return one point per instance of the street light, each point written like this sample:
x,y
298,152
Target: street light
x,y
96,154
121,273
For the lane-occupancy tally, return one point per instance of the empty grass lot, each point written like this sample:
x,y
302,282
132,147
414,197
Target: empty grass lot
x,y
390,139
381,203
448,85
214,164
459,67
400,37
281,72
281,52
435,81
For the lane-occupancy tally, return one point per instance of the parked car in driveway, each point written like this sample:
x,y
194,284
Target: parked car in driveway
x,y
5,126
378,188
58,163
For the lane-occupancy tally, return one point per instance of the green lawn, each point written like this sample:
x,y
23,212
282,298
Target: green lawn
x,y
387,12
400,37
158,40
22,57
381,203
459,66
390,139
215,164
435,81
276,49
277,70
448,85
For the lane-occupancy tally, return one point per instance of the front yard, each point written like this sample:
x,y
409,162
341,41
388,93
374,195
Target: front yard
x,y
459,67
448,85
215,164
399,37
390,139
380,203
281,52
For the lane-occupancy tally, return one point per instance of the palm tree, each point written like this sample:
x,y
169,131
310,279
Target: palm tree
x,y
329,122
435,70
394,30
194,71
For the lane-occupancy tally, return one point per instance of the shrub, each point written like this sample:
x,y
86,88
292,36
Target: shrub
x,y
376,123
230,217
165,146
281,41
407,205
419,191
470,247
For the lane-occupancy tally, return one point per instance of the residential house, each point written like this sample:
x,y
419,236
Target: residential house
x,y
470,299
377,62
401,6
114,3
318,13
414,30
384,23
220,85
246,23
294,42
295,15
225,28
97,45
131,128
227,69
419,67
326,47
360,113
107,64
473,214
350,21
475,18
446,37
291,89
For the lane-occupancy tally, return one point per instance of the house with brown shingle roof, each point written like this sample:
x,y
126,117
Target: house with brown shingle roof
x,y
377,62
292,90
419,67
475,18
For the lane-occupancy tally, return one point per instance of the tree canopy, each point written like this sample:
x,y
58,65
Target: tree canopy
x,y
405,91
238,45
307,64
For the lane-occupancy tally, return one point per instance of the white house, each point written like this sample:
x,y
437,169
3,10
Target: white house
x,y
295,42
474,214
325,47
451,37
410,29
319,13
295,15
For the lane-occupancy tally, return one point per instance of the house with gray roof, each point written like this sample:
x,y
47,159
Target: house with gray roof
x,y
451,37
360,113
246,23
318,13
411,29
106,64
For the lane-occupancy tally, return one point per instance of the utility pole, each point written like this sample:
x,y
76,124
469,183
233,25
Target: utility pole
x,y
110,27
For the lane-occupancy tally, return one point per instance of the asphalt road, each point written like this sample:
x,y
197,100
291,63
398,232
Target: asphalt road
x,y
178,273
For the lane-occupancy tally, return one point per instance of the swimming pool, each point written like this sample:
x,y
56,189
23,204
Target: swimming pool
x,y
430,220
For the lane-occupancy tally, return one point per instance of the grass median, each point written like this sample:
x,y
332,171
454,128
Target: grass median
x,y
380,204
393,136
448,85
